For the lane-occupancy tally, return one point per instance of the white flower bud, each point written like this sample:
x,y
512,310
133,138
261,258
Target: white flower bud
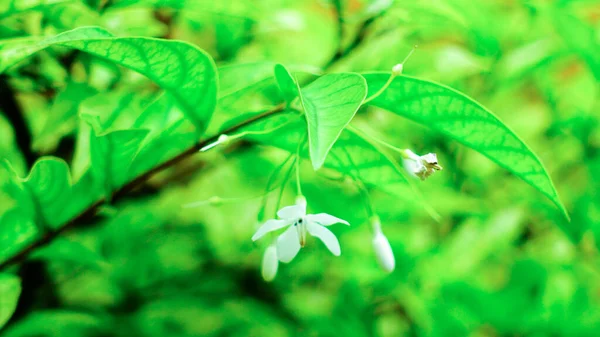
x,y
223,139
383,250
397,69
270,263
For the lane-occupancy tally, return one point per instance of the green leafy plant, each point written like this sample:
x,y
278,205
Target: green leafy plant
x,y
137,166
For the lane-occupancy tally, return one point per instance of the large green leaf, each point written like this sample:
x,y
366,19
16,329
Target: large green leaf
x,y
185,71
330,102
461,118
10,289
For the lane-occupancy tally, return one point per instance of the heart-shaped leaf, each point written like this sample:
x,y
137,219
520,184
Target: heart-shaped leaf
x,y
330,102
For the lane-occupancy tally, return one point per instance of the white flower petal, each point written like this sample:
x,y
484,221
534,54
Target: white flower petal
x,y
269,263
292,212
325,219
288,245
325,235
269,226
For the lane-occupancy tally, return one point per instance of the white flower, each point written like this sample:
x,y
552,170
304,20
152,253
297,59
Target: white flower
x,y
299,224
381,245
270,263
421,166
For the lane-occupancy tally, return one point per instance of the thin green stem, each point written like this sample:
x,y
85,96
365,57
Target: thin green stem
x,y
298,160
402,152
224,138
285,181
381,90
271,180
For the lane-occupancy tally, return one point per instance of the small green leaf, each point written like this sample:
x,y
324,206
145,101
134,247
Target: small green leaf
x,y
112,155
10,290
185,71
286,83
49,183
461,118
62,117
330,102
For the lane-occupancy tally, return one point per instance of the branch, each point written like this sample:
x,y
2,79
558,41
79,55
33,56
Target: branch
x,y
92,210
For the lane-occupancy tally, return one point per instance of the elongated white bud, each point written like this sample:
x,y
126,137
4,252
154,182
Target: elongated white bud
x,y
381,245
270,263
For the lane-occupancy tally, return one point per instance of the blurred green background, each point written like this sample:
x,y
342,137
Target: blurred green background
x,y
499,261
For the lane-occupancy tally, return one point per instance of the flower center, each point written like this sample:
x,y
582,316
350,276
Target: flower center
x,y
301,227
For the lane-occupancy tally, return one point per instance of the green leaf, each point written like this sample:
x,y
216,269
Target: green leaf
x,y
185,71
45,194
330,102
286,83
112,155
10,289
62,117
461,118
167,136
49,183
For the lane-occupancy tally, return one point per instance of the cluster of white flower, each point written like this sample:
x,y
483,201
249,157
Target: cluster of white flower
x,y
298,224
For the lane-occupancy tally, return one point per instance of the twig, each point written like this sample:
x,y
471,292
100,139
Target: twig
x,y
92,210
